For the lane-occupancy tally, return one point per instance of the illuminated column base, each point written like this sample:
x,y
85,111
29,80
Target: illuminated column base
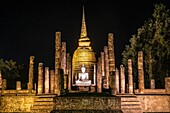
x,y
52,77
122,77
140,72
18,85
167,85
130,77
46,80
117,80
152,83
40,78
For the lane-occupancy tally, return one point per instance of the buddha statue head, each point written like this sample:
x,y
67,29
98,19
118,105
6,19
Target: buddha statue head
x,y
83,69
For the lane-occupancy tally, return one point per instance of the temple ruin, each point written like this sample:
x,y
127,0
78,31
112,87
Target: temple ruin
x,y
85,83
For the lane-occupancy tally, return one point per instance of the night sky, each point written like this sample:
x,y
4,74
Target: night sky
x,y
28,27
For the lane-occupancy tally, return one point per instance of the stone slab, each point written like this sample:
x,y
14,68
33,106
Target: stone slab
x,y
87,103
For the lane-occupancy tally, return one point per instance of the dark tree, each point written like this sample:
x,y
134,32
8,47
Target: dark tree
x,y
153,38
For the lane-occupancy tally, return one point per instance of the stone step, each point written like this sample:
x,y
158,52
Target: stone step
x,y
128,99
44,99
42,107
130,102
132,106
44,103
45,95
132,111
86,111
41,110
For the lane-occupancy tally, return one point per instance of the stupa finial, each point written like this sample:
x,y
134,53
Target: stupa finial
x,y
83,26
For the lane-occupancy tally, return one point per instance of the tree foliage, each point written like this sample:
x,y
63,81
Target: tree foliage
x,y
11,71
153,38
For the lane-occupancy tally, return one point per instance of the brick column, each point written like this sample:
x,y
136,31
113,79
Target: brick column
x,y
140,72
35,86
47,80
63,57
40,78
0,83
130,77
69,70
122,77
63,65
106,66
18,85
117,81
31,73
57,89
111,64
152,84
4,84
99,76
103,70
52,77
167,85
66,82
102,63
94,73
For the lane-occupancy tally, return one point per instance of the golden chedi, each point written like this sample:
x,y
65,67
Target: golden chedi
x,y
83,55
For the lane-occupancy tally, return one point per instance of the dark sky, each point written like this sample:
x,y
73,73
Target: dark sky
x,y
28,27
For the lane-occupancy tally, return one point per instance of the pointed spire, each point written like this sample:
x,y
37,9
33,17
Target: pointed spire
x,y
83,26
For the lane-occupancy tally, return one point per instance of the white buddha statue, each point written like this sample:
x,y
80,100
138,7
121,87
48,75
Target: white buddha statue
x,y
83,78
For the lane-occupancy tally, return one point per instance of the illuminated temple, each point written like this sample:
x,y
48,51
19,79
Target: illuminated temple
x,y
84,55
84,84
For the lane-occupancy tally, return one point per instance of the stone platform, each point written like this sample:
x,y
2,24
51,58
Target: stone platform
x,y
87,103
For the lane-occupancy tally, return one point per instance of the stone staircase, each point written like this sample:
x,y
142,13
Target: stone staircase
x,y
130,104
43,104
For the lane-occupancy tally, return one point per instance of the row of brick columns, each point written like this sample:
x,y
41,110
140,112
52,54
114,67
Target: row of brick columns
x,y
59,79
56,80
108,75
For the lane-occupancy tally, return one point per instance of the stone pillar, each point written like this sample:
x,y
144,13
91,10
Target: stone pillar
x,y
18,85
52,77
66,82
167,85
61,74
99,76
94,71
127,88
102,63
111,64
31,73
35,86
63,65
69,70
46,80
106,66
130,77
57,89
103,70
63,57
40,78
140,72
0,83
117,81
122,77
134,85
152,83
4,84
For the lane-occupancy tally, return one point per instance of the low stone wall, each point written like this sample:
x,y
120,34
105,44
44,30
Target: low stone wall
x,y
88,103
14,103
154,102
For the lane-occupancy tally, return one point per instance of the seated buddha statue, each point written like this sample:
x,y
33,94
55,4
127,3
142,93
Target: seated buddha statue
x,y
83,78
